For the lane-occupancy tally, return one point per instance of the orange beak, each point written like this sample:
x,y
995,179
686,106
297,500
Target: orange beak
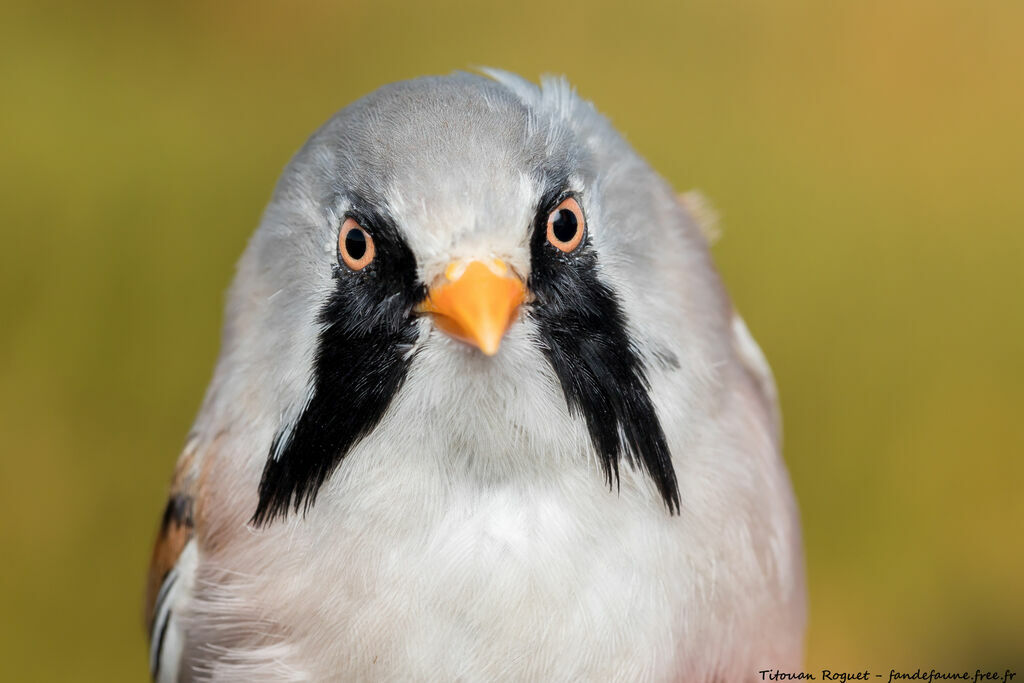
x,y
476,303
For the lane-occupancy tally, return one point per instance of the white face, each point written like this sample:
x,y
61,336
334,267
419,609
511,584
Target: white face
x,y
490,221
449,188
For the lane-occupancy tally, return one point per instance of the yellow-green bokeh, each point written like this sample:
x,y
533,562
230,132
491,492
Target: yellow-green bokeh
x,y
867,159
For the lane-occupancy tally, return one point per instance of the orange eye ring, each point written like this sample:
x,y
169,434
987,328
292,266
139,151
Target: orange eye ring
x,y
566,225
354,241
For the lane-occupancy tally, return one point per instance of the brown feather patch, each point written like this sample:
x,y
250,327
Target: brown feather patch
x,y
176,528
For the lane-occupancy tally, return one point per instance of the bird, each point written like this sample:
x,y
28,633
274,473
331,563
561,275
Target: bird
x,y
483,410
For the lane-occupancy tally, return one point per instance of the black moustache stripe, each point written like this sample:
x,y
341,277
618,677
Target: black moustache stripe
x,y
604,382
582,331
356,379
362,359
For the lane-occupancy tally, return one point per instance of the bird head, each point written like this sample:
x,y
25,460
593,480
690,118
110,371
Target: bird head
x,y
479,266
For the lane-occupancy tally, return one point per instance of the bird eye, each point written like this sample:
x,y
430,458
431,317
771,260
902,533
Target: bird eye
x,y
355,245
566,225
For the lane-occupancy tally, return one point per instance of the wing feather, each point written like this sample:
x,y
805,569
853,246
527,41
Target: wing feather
x,y
171,572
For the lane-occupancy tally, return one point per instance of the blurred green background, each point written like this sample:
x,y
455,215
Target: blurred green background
x,y
867,159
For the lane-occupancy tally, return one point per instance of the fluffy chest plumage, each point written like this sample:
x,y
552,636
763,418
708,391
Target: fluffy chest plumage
x,y
504,582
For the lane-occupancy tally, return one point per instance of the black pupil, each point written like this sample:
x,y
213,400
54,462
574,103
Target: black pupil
x,y
355,243
564,226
